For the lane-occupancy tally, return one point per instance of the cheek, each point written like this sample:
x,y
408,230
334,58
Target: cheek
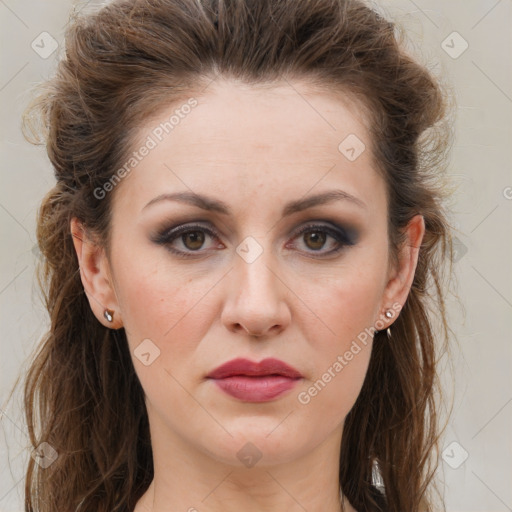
x,y
172,311
340,332
343,303
162,304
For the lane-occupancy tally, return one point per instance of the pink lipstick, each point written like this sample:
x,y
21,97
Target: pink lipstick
x,y
255,382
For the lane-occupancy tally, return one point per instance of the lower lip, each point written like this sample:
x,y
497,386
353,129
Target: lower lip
x,y
256,389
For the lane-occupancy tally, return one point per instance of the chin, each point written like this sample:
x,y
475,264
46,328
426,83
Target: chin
x,y
261,441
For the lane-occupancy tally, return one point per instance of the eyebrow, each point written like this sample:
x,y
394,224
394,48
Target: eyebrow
x,y
216,205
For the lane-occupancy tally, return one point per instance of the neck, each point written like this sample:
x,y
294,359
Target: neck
x,y
193,481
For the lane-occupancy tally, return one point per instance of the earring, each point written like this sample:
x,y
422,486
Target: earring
x,y
109,315
389,314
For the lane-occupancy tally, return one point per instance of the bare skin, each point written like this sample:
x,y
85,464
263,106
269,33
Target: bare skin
x,y
299,301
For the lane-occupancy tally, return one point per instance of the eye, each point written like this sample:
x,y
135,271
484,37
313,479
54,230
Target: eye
x,y
316,236
189,238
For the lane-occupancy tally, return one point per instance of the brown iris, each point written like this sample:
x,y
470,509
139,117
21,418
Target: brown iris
x,y
317,238
196,239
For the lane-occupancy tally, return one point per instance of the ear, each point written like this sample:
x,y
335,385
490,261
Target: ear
x,y
401,278
95,275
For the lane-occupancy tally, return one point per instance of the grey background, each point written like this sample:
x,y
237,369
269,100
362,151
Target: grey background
x,y
480,425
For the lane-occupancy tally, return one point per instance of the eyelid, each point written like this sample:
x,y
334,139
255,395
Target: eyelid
x,y
344,238
163,236
348,235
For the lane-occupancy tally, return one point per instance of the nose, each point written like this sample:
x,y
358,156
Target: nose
x,y
257,297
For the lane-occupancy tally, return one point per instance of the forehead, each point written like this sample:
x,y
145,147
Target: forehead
x,y
282,137
279,115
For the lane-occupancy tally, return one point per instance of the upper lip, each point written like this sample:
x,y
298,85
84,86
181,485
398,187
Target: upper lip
x,y
245,367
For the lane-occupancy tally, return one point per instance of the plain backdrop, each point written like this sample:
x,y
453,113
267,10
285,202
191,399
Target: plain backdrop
x,y
468,44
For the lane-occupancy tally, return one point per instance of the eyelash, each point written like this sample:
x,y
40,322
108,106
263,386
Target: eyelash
x,y
167,236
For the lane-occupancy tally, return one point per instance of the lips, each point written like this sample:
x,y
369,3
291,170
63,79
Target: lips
x,y
255,382
248,368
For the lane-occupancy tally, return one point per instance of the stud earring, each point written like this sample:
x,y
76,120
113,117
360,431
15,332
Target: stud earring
x,y
109,315
389,314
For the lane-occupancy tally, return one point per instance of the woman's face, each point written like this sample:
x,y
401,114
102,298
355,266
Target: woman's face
x,y
281,253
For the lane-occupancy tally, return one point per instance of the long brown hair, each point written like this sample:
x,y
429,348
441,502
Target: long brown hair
x,y
122,64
